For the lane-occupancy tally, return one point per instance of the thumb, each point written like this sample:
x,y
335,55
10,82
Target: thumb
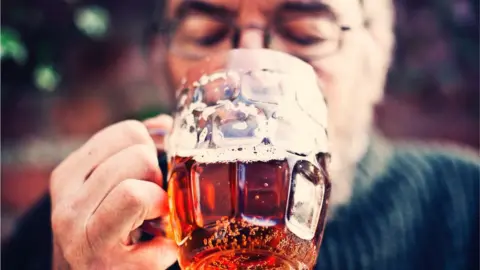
x,y
158,127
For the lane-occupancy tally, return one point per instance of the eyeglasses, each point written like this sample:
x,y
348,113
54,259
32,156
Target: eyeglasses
x,y
307,37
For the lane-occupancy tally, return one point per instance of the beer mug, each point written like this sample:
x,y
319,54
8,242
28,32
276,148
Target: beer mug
x,y
248,185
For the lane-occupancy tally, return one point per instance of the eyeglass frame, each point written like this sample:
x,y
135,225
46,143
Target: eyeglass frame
x,y
167,27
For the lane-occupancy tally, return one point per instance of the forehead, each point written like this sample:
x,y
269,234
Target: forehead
x,y
346,10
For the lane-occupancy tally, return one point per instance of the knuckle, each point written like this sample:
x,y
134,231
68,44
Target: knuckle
x,y
135,131
130,195
58,219
62,218
63,170
146,156
58,172
54,178
55,174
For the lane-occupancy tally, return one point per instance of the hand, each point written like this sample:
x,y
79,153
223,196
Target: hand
x,y
104,191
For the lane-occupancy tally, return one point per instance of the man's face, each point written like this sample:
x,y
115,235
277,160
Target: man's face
x,y
328,34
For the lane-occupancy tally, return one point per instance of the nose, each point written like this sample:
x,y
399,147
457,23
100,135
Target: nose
x,y
251,38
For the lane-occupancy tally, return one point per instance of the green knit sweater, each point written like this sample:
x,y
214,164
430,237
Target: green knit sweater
x,y
413,207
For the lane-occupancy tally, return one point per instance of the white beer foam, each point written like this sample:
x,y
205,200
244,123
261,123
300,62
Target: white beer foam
x,y
259,153
273,115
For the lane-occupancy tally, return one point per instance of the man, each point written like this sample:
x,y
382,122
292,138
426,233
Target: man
x,y
393,206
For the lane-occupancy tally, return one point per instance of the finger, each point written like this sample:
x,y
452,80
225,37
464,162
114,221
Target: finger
x,y
124,209
159,253
136,162
158,127
162,121
69,176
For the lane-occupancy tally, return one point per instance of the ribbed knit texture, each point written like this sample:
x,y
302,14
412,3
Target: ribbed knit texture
x,y
413,207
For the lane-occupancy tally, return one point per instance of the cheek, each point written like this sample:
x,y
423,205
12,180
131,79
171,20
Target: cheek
x,y
336,80
342,73
339,73
343,84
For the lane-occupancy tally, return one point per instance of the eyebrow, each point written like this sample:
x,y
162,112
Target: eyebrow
x,y
310,7
195,6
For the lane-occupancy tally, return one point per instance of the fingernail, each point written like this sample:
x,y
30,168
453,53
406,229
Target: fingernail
x,y
157,132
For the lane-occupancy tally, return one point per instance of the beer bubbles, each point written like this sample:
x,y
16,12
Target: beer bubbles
x,y
248,185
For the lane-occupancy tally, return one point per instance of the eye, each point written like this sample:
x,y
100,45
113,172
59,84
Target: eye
x,y
299,37
201,30
210,39
307,31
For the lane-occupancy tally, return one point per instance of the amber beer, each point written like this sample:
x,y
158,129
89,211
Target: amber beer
x,y
248,184
234,215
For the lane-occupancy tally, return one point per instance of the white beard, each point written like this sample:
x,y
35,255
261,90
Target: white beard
x,y
347,148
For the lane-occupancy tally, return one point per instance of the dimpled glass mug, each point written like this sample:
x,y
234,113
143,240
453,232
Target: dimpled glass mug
x,y
248,184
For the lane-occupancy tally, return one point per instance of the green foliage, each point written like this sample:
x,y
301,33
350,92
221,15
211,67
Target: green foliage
x,y
93,21
12,46
46,78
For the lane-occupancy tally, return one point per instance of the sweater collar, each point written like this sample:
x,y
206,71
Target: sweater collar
x,y
374,163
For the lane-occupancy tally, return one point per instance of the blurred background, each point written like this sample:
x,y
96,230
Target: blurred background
x,y
71,67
